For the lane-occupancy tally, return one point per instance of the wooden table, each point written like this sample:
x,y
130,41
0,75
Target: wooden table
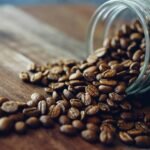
x,y
24,40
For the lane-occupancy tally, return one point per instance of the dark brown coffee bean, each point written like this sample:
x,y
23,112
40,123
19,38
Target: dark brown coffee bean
x,y
90,69
112,104
16,117
89,76
115,43
126,63
32,122
73,113
36,97
3,99
110,73
135,132
76,76
106,137
31,111
92,59
63,78
77,124
89,135
122,125
86,99
104,107
9,107
103,67
101,52
63,119
136,37
54,111
20,127
46,121
120,88
5,124
117,67
108,82
76,103
126,106
125,137
142,126
92,126
116,97
57,86
127,116
103,97
142,141
68,95
137,55
107,127
92,110
68,129
24,76
92,90
105,89
42,107
135,66
124,42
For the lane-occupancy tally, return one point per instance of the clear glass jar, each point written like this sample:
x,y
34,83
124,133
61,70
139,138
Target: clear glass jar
x,y
110,15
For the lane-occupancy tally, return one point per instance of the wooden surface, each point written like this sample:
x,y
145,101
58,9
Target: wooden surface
x,y
24,40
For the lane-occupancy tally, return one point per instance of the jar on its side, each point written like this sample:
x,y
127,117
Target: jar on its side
x,y
109,14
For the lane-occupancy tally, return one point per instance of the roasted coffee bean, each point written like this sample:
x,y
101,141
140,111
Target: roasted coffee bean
x,y
135,132
76,103
103,67
132,47
126,106
36,77
107,127
116,97
5,124
48,90
108,82
20,127
89,135
103,107
142,141
105,89
17,117
101,52
92,90
120,88
24,76
123,125
89,76
31,111
57,86
107,42
63,119
50,101
75,76
92,59
42,107
103,97
56,70
110,73
86,99
32,122
106,137
46,121
68,129
9,107
136,37
77,124
55,95
90,69
73,113
54,111
127,116
137,55
68,95
92,110
126,138
92,126
36,97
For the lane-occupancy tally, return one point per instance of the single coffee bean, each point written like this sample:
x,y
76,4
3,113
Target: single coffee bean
x,y
92,59
92,110
135,132
36,97
56,70
76,76
32,122
9,107
120,88
54,111
103,107
24,76
106,137
126,138
68,95
142,141
136,37
108,82
46,121
137,55
76,103
63,119
126,106
90,69
86,99
123,125
31,111
103,97
101,52
105,88
73,113
89,135
20,127
42,107
5,124
107,127
50,101
92,90
116,97
103,67
68,129
77,124
92,126
110,73
36,77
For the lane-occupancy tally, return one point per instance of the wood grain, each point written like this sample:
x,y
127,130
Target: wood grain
x,y
22,41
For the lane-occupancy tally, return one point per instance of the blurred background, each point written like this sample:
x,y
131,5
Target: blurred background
x,y
26,2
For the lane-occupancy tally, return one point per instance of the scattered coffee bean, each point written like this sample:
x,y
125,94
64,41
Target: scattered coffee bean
x,y
20,127
32,122
126,138
46,121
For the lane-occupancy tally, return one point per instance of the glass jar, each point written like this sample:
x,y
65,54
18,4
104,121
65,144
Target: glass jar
x,y
111,14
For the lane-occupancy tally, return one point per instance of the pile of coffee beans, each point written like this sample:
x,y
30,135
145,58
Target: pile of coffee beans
x,y
87,98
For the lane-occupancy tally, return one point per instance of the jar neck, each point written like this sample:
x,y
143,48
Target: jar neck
x,y
108,12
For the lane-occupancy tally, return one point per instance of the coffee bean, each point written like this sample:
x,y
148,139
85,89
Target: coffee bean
x,y
137,55
32,122
9,107
110,73
3,99
89,135
50,101
92,59
92,126
105,89
46,121
103,97
101,52
5,124
57,86
116,97
24,76
136,37
107,127
103,67
36,97
42,107
31,111
142,141
68,95
135,132
108,82
73,113
106,137
92,110
90,69
20,127
77,124
132,47
36,77
123,125
127,116
125,137
126,106
76,76
120,88
68,129
104,107
92,90
86,99
76,103
54,111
